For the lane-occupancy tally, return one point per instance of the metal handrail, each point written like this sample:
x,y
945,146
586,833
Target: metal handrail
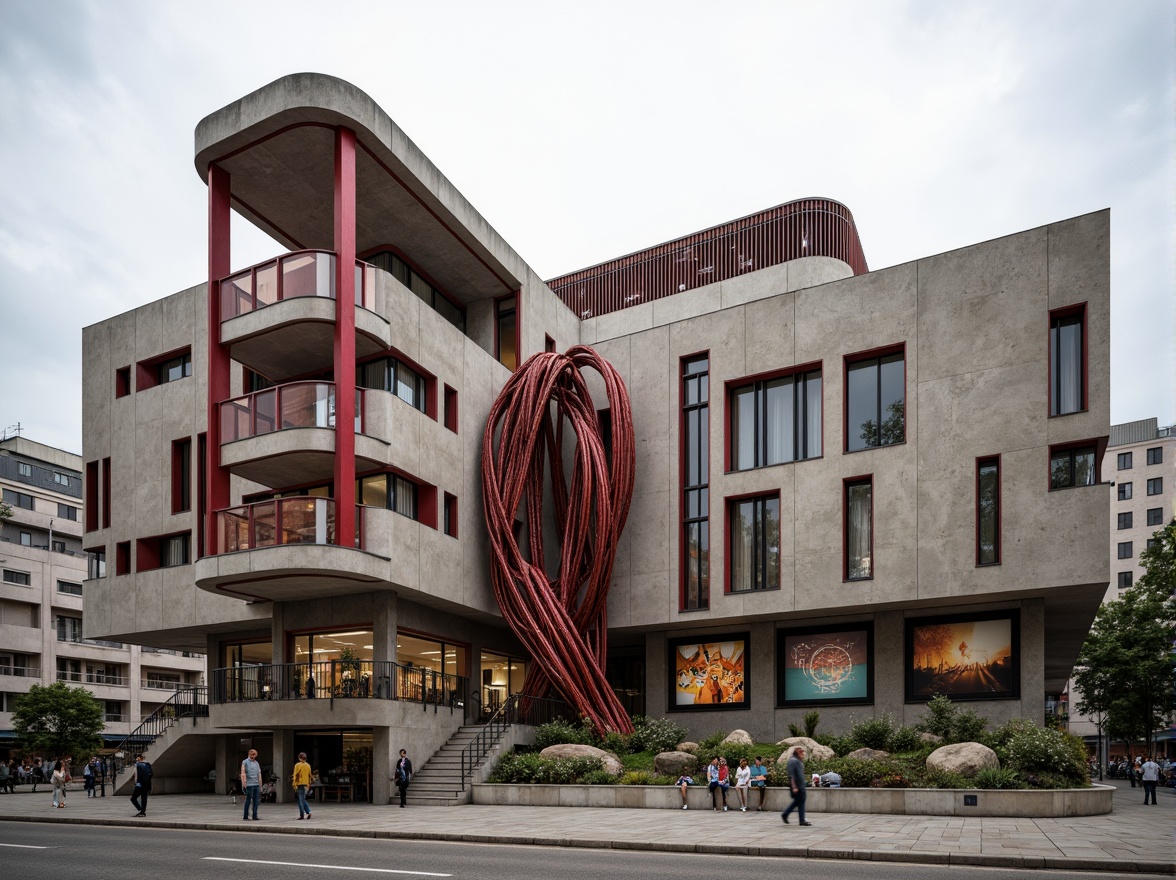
x,y
341,679
191,702
516,709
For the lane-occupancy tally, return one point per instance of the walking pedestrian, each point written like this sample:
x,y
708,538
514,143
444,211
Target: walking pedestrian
x,y
143,774
88,777
759,780
251,783
796,782
301,781
38,773
5,776
58,780
403,775
1150,775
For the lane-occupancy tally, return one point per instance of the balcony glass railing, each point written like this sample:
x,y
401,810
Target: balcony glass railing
x,y
293,405
302,273
300,520
340,679
92,678
20,671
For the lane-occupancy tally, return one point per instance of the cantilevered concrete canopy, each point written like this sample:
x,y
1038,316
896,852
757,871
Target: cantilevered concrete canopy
x,y
277,143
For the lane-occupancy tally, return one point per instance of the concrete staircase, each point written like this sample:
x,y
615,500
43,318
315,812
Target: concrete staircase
x,y
438,783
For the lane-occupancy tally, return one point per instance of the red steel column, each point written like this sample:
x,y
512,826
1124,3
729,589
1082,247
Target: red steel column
x,y
217,490
345,337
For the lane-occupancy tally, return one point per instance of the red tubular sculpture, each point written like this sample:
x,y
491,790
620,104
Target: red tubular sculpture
x,y
561,621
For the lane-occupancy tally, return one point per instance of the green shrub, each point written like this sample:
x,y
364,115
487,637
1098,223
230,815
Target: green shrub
x,y
873,733
953,724
842,745
1030,749
904,739
656,734
598,777
530,768
636,777
555,733
637,760
617,743
712,741
997,777
941,779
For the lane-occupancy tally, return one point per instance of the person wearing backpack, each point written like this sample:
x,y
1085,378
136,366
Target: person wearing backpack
x,y
143,774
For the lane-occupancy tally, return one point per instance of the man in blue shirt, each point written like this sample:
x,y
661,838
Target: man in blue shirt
x,y
251,783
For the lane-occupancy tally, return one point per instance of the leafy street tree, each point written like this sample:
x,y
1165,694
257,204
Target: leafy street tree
x,y
59,720
1125,669
893,426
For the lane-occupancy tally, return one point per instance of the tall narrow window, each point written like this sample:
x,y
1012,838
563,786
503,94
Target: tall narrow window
x,y
776,420
859,529
1073,466
755,544
1067,392
988,511
875,401
106,481
450,515
695,483
451,409
181,475
90,503
506,332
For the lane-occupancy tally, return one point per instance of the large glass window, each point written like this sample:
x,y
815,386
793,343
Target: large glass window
x,y
1065,363
875,402
18,499
389,374
695,444
776,421
414,281
859,529
988,511
507,332
440,656
502,676
390,491
755,544
174,369
1072,467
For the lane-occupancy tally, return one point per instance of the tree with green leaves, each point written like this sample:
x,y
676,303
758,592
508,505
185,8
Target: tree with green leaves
x,y
58,720
1125,672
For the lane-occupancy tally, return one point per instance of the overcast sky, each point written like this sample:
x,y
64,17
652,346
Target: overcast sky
x,y
586,131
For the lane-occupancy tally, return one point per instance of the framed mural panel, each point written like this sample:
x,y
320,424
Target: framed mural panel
x,y
825,665
964,656
708,673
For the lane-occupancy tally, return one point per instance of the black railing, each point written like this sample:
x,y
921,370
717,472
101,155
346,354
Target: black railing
x,y
517,709
191,702
341,679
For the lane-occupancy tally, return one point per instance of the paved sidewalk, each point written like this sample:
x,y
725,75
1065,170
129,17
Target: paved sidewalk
x,y
1132,839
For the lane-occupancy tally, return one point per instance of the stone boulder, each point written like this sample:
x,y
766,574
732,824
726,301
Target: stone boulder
x,y
687,746
868,754
930,738
576,750
674,763
966,759
813,749
738,737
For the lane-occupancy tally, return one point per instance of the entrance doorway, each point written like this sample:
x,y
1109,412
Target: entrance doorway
x,y
340,763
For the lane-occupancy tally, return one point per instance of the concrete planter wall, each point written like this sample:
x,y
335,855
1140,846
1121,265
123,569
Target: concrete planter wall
x,y
1093,801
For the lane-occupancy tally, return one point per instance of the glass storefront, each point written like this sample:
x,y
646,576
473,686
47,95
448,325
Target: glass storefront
x,y
334,663
501,676
434,654
250,665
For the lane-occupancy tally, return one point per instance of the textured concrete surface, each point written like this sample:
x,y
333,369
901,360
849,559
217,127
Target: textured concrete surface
x,y
1133,839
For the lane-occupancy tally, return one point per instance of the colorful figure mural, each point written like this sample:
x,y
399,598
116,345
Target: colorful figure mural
x,y
709,673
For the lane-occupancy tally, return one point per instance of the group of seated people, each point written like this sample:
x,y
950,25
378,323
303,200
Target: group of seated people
x,y
747,779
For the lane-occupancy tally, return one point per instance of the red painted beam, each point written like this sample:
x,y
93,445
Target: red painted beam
x,y
345,337
219,266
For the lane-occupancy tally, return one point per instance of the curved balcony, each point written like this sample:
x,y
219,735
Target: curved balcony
x,y
258,441
284,549
278,317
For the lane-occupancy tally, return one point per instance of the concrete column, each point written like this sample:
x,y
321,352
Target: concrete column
x,y
384,617
382,764
284,764
278,633
225,770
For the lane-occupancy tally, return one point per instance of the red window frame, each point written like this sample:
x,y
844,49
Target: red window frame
x,y
857,357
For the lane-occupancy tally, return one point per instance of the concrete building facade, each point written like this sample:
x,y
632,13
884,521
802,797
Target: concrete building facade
x,y
43,607
853,489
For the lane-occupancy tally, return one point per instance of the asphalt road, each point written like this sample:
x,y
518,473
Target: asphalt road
x,y
32,851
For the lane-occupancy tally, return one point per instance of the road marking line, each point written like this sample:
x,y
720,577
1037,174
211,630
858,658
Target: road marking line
x,y
327,867
23,846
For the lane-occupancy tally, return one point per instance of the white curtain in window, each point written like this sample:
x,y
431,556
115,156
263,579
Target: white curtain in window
x,y
812,416
860,501
1069,366
779,406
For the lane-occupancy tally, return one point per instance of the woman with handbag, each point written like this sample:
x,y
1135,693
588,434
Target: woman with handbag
x,y
58,780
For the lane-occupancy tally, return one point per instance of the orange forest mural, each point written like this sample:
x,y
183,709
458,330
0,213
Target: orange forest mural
x,y
964,658
710,674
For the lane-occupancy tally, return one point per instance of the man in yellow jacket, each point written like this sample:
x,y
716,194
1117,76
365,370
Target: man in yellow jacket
x,y
301,780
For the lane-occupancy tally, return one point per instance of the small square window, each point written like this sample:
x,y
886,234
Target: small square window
x,y
26,539
1155,516
1125,551
1072,466
1124,579
24,469
1124,461
1155,455
1124,491
1125,520
1155,486
67,511
60,479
